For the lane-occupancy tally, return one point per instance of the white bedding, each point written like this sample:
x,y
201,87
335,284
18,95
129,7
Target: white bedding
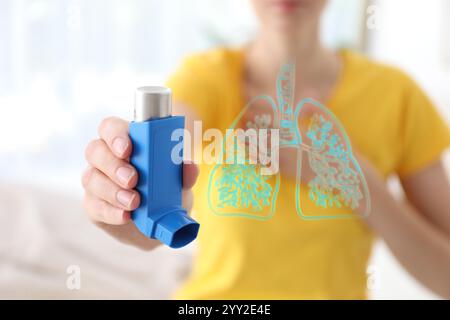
x,y
42,233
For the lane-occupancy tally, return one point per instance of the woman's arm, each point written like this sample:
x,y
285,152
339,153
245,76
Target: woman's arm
x,y
418,230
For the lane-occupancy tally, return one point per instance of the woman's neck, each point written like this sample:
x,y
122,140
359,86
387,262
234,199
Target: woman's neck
x,y
287,46
316,66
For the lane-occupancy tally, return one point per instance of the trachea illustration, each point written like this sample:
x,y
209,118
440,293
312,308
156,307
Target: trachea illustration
x,y
160,215
329,181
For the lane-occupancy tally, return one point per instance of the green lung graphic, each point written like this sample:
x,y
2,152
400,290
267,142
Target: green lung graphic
x,y
334,180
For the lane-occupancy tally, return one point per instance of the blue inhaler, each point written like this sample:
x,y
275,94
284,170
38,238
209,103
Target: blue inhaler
x,y
160,215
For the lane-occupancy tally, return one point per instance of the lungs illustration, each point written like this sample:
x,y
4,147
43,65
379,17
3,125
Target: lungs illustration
x,y
237,187
329,181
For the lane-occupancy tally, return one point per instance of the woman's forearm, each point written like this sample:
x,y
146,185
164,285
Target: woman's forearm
x,y
420,247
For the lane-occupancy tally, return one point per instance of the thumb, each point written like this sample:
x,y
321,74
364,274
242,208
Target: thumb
x,y
190,174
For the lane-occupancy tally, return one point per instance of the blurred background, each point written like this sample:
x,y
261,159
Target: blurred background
x,y
66,64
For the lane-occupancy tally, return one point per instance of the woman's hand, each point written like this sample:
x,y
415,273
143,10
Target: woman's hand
x,y
109,181
416,230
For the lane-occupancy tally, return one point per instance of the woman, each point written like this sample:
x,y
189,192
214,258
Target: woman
x,y
391,124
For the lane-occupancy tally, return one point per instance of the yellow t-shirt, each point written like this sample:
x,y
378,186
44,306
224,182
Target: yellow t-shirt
x,y
388,119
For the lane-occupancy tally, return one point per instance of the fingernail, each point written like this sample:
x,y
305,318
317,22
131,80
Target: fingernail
x,y
125,197
124,174
120,145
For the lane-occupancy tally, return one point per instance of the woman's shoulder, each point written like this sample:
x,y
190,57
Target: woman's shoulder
x,y
367,71
213,62
204,79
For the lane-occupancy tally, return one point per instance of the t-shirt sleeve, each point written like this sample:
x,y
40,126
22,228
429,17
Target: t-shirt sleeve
x,y
191,87
425,133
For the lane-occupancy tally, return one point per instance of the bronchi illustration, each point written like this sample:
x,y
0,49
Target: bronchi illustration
x,y
329,181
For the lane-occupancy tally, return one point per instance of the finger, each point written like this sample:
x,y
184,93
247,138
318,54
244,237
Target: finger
x,y
190,174
114,131
99,156
99,210
98,184
188,200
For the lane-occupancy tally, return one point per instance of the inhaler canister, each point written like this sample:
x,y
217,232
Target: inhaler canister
x,y
160,215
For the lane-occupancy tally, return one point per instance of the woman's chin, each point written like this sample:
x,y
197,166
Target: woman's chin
x,y
290,24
